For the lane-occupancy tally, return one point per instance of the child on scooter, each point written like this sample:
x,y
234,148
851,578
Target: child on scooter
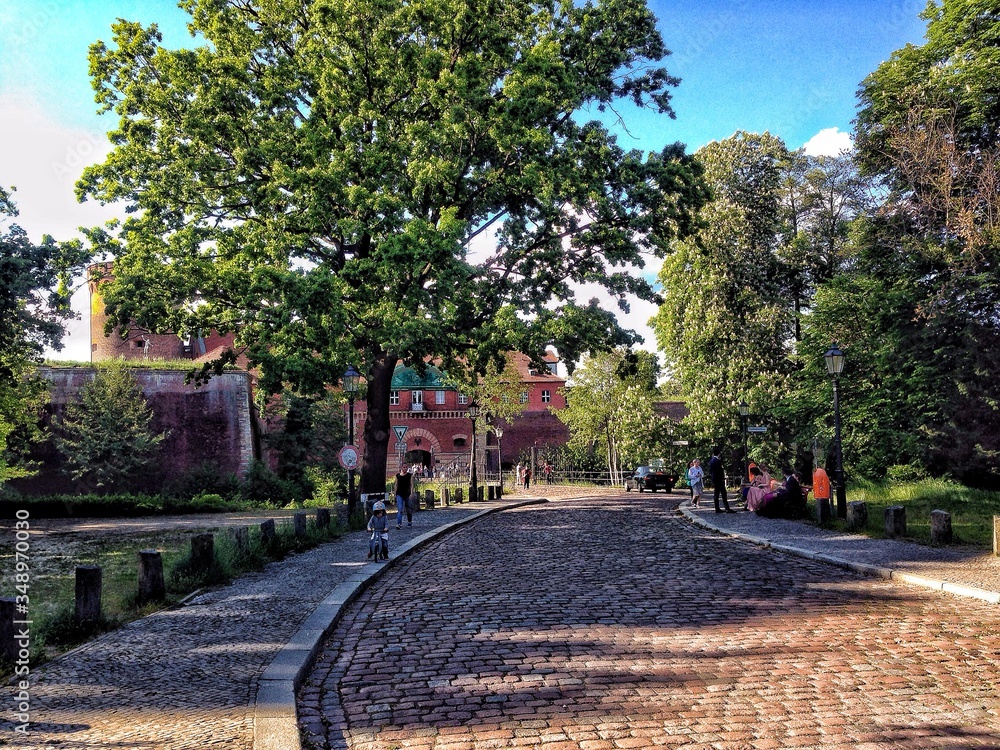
x,y
378,525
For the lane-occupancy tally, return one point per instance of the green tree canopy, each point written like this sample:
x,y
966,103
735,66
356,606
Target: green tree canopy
x,y
35,286
315,174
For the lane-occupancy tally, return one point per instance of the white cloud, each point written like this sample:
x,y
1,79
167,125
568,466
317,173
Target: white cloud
x,y
43,159
828,142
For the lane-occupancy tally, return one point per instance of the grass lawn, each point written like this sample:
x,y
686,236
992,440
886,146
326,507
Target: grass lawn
x,y
971,510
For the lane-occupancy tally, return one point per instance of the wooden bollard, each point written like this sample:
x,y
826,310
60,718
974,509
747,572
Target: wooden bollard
x,y
941,527
414,502
8,646
857,515
241,538
202,551
322,518
481,492
343,516
492,493
429,499
299,523
996,535
500,490
446,495
267,531
151,586
88,593
459,496
824,510
895,521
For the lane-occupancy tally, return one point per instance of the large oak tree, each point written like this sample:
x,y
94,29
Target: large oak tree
x,y
312,175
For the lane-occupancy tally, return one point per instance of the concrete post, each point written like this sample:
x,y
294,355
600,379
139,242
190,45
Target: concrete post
x,y
481,491
857,515
299,523
941,527
895,521
459,497
322,518
151,586
88,593
429,499
267,530
446,495
202,551
492,493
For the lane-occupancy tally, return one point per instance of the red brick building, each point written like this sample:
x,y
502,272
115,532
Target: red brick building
x,y
431,424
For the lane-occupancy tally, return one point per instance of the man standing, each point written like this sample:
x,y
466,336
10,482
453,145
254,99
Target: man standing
x,y
719,481
404,483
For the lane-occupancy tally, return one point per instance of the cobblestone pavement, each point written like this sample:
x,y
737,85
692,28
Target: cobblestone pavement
x,y
614,622
187,677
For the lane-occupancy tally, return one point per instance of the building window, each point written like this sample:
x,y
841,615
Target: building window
x,y
416,397
524,397
459,442
462,399
546,397
438,397
554,368
393,398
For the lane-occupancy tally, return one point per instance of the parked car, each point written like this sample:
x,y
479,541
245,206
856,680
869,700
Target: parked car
x,y
647,478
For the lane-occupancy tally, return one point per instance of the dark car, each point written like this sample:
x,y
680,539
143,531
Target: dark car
x,y
646,478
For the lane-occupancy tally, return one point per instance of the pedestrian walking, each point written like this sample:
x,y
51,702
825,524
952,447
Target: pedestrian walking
x,y
403,489
718,474
548,472
527,477
696,480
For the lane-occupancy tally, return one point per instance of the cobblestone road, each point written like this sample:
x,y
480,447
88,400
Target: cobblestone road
x,y
613,623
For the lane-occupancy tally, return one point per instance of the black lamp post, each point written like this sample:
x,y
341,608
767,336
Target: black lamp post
x,y
350,382
499,433
744,415
474,484
834,366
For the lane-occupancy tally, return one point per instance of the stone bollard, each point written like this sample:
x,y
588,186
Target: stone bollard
x,y
241,538
429,499
88,593
299,523
857,515
414,502
500,490
481,492
151,586
996,535
267,531
8,646
322,518
446,495
492,493
202,551
940,527
824,510
895,521
459,496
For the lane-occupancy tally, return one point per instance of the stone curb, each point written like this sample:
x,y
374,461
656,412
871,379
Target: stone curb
x,y
275,720
863,568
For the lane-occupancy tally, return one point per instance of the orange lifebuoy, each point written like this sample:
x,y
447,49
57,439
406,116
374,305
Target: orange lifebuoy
x,y
821,484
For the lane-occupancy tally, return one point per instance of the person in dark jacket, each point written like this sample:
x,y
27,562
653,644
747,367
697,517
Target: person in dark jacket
x,y
718,474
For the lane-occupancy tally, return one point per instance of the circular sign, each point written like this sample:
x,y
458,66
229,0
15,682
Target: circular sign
x,y
349,457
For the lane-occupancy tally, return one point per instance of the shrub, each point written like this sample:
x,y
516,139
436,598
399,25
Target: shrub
x,y
204,478
262,487
905,473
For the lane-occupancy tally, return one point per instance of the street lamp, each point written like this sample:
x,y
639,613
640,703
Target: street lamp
x,y
744,415
350,383
499,434
834,366
474,415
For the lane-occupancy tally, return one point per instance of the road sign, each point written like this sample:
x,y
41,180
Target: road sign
x,y
349,457
401,447
681,442
757,429
400,430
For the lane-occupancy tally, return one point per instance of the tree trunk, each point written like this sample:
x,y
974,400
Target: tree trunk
x,y
376,430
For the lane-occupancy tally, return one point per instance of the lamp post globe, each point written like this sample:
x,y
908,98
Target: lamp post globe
x,y
834,360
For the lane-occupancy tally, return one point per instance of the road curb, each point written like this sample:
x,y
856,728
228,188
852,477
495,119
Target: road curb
x,y
275,719
874,571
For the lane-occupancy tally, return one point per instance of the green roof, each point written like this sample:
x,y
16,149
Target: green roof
x,y
406,378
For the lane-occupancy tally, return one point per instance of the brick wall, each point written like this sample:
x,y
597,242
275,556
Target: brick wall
x,y
211,424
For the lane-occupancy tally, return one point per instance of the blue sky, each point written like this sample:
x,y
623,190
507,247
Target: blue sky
x,y
791,68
